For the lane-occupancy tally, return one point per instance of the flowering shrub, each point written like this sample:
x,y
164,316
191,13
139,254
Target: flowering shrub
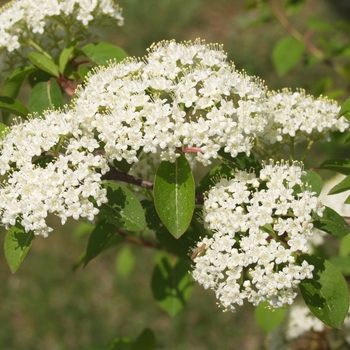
x,y
146,123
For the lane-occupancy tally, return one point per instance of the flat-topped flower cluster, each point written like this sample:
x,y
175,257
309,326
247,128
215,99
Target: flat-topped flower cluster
x,y
260,227
182,97
28,24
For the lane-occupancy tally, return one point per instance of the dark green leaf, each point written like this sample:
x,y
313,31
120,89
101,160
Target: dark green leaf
x,y
83,71
241,162
38,76
268,319
172,284
342,186
174,195
179,246
331,222
213,175
339,165
43,161
45,96
44,63
17,245
326,294
11,105
286,54
123,208
345,109
102,53
15,80
102,237
145,341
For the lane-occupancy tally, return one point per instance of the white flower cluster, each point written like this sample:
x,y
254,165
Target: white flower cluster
x,y
301,320
299,327
299,116
260,227
48,23
181,96
63,186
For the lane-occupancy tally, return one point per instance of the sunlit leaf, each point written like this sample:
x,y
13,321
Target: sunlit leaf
x,y
287,54
44,63
17,245
123,208
102,53
174,195
268,318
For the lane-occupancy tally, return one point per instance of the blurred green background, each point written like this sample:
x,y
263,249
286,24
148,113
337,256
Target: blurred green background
x,y
46,305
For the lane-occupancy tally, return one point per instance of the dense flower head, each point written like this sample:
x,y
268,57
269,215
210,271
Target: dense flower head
x,y
300,116
32,189
181,96
48,24
260,225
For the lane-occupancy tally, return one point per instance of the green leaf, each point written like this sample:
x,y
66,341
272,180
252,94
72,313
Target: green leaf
x,y
145,341
102,237
172,284
178,246
240,162
17,245
15,80
174,195
125,261
220,171
339,165
65,56
342,186
121,344
331,222
342,263
286,54
83,71
123,208
44,63
345,109
102,53
267,318
312,180
38,76
326,294
11,105
344,247
45,96
2,129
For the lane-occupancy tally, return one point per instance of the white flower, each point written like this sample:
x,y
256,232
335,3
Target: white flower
x,y
260,243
